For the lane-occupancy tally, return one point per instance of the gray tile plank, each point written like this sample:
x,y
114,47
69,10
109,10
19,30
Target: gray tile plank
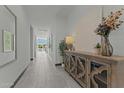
x,y
42,73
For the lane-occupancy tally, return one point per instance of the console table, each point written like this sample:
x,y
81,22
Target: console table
x,y
95,71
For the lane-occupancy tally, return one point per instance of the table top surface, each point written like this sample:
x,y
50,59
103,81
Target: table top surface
x,y
114,58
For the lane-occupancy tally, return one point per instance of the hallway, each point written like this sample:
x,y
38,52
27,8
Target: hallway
x,y
43,74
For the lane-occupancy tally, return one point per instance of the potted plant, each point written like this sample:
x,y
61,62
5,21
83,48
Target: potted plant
x,y
98,49
62,48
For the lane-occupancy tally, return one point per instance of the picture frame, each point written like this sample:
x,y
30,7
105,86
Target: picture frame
x,y
7,41
8,36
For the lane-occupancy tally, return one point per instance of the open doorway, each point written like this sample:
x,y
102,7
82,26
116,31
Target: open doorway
x,y
42,41
41,44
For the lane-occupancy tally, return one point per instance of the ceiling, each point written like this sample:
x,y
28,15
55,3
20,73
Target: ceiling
x,y
43,34
43,15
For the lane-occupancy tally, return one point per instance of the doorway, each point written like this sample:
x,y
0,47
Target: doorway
x,y
42,41
41,44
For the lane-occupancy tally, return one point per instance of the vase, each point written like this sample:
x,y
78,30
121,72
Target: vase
x,y
106,47
97,51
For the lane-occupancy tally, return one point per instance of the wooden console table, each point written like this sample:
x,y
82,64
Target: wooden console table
x,y
95,71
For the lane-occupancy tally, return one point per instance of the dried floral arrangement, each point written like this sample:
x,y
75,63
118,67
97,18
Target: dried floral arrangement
x,y
109,23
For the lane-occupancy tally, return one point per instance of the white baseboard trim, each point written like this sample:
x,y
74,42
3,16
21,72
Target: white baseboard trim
x,y
19,76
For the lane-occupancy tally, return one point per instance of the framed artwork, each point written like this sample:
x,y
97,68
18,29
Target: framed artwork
x,y
8,36
12,42
7,41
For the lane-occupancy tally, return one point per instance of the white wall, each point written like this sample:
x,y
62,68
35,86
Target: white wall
x,y
10,72
53,32
82,23
61,33
31,42
84,20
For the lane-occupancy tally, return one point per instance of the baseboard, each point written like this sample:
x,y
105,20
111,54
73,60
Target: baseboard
x,y
31,59
19,77
58,64
50,58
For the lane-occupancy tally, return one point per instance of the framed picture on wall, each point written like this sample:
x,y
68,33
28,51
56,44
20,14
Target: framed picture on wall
x,y
8,36
7,41
12,42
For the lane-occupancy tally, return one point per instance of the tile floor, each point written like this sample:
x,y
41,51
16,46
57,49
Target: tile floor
x,y
43,74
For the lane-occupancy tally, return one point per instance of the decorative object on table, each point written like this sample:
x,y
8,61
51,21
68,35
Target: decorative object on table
x,y
62,48
109,24
98,49
69,41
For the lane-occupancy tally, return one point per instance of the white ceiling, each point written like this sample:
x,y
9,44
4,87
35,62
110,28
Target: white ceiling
x,y
43,15
44,34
